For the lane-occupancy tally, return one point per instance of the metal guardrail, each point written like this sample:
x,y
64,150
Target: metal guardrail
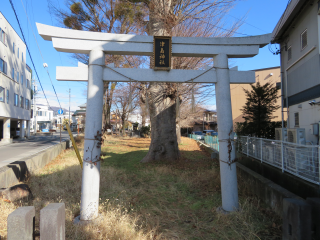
x,y
211,141
299,160
302,161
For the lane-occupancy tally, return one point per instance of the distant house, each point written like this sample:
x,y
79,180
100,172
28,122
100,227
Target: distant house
x,y
44,117
297,32
79,116
207,120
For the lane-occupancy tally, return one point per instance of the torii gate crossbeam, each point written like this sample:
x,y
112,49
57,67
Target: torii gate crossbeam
x,y
98,44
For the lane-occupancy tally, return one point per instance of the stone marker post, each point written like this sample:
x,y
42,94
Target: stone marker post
x,y
21,224
91,165
52,222
228,170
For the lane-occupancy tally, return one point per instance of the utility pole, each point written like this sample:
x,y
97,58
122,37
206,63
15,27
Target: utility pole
x,y
69,106
60,127
34,106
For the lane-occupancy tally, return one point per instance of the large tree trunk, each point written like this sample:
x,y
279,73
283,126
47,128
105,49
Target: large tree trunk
x,y
164,145
162,100
178,132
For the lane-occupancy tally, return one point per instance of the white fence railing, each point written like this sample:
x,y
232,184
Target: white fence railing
x,y
299,160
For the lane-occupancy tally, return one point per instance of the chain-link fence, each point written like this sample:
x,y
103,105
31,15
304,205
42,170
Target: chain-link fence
x,y
299,160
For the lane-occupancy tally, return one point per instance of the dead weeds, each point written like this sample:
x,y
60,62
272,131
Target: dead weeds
x,y
162,200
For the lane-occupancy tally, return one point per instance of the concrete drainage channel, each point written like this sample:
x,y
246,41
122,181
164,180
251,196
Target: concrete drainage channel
x,y
18,171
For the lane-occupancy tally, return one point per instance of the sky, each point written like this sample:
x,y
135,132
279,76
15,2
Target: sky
x,y
261,18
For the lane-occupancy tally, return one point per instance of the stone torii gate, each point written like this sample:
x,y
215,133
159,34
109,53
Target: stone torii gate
x,y
97,44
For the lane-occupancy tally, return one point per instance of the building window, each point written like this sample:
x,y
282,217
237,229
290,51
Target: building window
x,y
3,66
12,73
18,77
8,96
3,36
289,53
13,50
296,119
21,102
21,77
304,39
2,94
27,104
16,100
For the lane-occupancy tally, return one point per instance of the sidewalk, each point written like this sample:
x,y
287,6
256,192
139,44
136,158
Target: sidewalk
x,y
23,156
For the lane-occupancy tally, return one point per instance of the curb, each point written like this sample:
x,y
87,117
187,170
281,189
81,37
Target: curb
x,y
18,171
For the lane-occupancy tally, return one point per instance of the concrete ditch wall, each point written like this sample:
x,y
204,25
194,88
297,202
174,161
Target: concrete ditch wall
x,y
288,181
18,171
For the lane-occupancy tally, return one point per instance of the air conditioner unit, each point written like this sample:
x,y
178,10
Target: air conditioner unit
x,y
281,134
297,135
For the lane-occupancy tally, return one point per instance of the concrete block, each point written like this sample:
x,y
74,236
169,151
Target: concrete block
x,y
21,224
52,222
315,216
296,219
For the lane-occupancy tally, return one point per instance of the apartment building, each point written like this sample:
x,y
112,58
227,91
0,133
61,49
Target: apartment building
x,y
15,84
238,96
297,32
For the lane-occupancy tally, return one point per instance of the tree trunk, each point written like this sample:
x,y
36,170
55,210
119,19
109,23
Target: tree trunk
x,y
164,145
143,114
178,132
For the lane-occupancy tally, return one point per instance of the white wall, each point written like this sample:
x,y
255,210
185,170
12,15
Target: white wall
x,y
308,114
6,80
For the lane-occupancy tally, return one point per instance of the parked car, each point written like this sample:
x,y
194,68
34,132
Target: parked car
x,y
210,132
199,135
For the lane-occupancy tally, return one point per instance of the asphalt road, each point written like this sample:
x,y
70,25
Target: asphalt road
x,y
22,149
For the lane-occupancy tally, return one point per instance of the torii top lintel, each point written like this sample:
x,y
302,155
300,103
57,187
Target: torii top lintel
x,y
77,41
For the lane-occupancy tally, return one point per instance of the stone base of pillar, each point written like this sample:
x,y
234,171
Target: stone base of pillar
x,y
6,140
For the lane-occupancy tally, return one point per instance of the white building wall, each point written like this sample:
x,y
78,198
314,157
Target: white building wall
x,y
7,81
308,115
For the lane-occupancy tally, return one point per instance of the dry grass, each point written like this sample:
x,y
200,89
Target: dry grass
x,y
148,201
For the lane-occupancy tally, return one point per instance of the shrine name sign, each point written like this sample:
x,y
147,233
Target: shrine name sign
x,y
162,53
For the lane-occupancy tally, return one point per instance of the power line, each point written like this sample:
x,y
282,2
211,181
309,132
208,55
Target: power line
x,y
243,34
28,50
247,23
52,25
44,64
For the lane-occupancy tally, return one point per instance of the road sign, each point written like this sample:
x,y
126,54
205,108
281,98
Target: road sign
x,y
60,111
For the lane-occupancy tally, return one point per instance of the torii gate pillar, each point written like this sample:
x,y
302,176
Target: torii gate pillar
x,y
91,171
228,169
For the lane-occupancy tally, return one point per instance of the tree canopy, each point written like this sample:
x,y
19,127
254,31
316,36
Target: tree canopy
x,y
261,103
